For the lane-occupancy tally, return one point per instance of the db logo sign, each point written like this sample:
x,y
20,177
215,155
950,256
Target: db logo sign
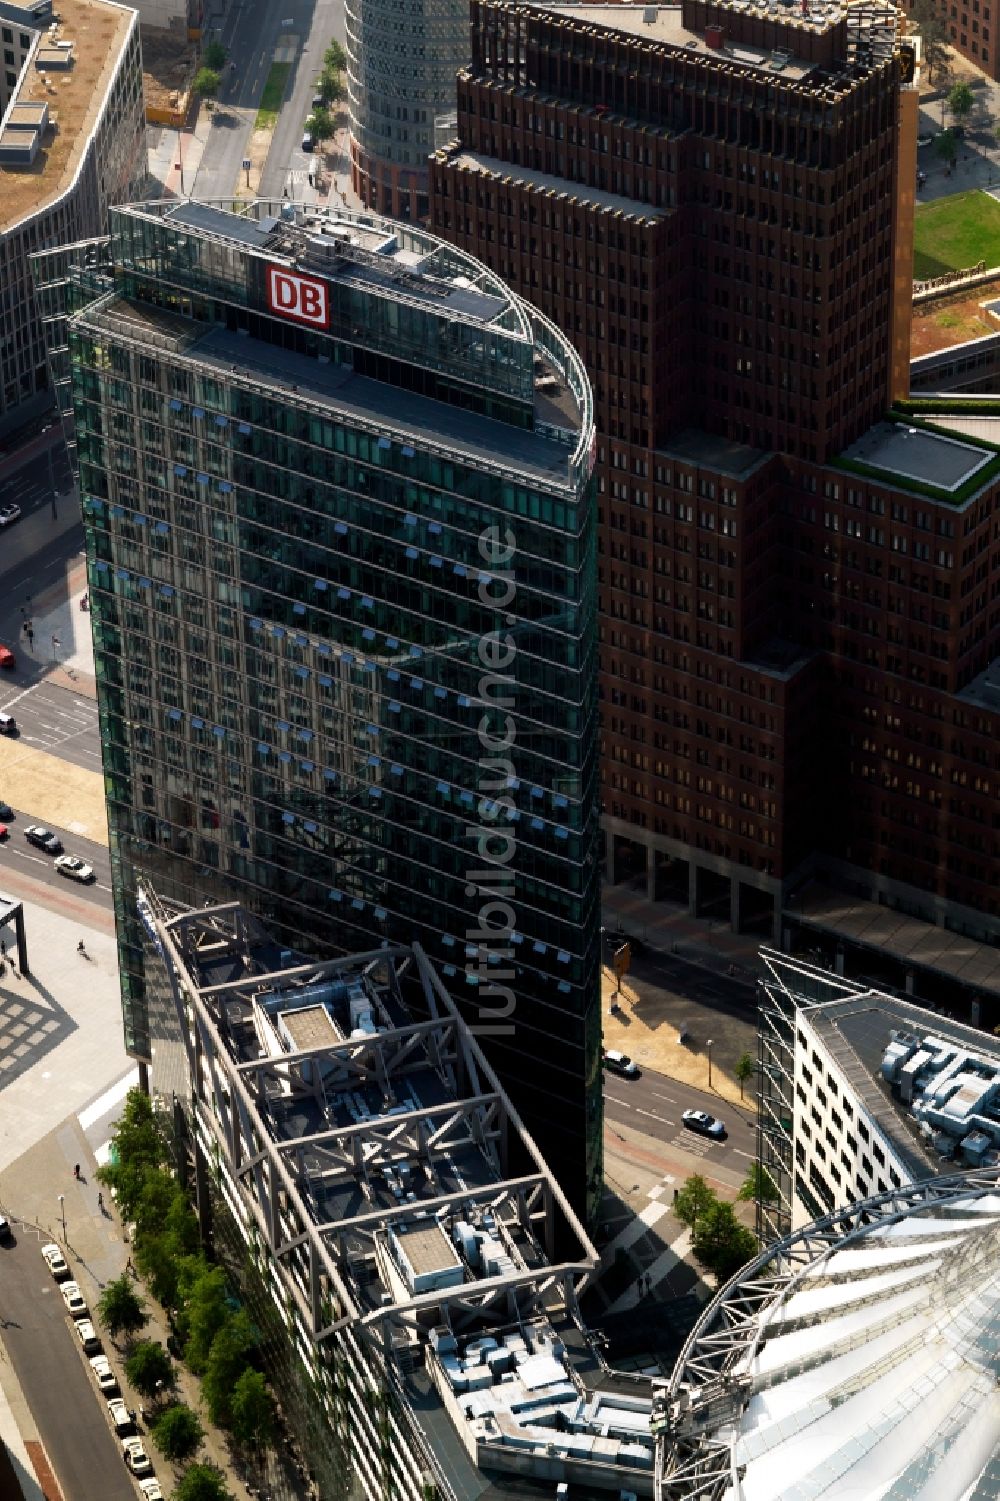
x,y
299,297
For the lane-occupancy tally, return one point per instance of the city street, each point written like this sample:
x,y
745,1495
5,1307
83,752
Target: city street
x,y
18,855
55,720
45,1353
653,1104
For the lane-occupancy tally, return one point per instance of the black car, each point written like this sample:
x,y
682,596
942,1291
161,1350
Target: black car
x,y
43,839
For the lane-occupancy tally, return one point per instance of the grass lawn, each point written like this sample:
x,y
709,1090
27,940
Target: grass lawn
x,y
273,96
954,233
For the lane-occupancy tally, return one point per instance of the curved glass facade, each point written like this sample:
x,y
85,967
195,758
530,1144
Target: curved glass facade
x,y
344,607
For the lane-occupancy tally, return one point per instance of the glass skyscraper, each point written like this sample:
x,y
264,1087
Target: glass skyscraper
x,y
340,519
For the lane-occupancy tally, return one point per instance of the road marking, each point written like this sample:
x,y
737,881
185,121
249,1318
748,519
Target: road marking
x,y
653,1116
738,1152
616,1101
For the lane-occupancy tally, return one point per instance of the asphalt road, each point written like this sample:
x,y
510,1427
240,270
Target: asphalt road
x,y
17,854
317,23
653,1104
54,719
46,1356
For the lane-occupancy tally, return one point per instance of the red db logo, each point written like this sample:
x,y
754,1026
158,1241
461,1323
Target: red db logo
x,y
298,297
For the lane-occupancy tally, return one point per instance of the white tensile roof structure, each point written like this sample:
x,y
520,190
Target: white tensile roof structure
x,y
857,1360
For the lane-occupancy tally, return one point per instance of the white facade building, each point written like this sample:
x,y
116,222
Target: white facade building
x,y
843,1073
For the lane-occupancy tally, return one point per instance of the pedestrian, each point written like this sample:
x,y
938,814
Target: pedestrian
x,y
100,1201
80,948
142,1413
76,1170
3,948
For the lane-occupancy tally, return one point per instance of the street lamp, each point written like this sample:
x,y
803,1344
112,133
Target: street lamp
x,y
709,1046
62,1211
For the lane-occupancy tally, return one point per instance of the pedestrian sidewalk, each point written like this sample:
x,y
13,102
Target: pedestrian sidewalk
x,y
175,156
669,927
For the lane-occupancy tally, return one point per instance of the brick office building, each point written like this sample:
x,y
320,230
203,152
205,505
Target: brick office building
x,y
716,205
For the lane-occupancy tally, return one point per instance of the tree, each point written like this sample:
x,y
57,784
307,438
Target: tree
x,y
205,1314
230,1356
961,100
946,147
201,1482
177,1432
720,1242
693,1199
156,1259
933,34
746,1067
206,84
335,58
252,1411
758,1185
321,124
214,56
121,1309
150,1369
136,1148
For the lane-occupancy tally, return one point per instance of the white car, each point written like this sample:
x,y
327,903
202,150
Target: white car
x,y
700,1120
136,1457
620,1063
73,1298
56,1261
150,1490
120,1415
103,1374
88,1335
9,514
74,869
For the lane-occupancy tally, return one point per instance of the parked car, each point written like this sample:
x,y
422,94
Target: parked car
x,y
6,811
318,102
6,1233
9,514
701,1121
121,1418
74,869
150,1490
73,1298
43,839
8,724
88,1335
7,659
620,1063
136,1457
308,144
103,1374
4,831
55,1261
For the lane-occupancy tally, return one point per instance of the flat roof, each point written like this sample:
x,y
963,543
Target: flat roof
x,y
695,446
665,23
427,1249
560,186
310,1027
916,454
98,31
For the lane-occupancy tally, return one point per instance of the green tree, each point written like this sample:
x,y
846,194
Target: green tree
x,y
206,1312
206,84
136,1147
156,1260
321,124
720,1242
335,58
961,100
946,147
252,1416
177,1432
121,1309
201,1482
758,1185
150,1369
693,1199
934,36
214,56
746,1067
230,1356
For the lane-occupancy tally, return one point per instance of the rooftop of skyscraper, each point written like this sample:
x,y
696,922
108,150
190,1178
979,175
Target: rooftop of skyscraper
x,y
465,322
387,1136
57,100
